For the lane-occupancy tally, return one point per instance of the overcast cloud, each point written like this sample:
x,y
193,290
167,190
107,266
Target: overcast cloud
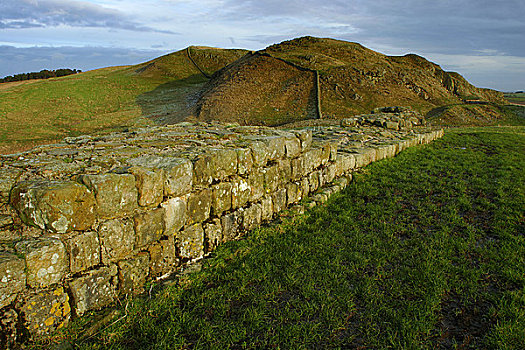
x,y
20,14
483,40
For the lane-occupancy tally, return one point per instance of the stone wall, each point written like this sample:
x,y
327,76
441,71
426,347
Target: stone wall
x,y
91,220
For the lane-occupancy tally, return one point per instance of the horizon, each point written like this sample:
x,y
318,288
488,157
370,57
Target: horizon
x,y
481,41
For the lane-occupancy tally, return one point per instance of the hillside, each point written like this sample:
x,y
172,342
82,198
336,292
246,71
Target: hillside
x,y
259,89
42,111
278,82
295,80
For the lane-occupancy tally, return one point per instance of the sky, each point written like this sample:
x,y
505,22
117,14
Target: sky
x,y
482,40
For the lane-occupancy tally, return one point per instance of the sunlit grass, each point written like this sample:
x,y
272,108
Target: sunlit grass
x,y
424,251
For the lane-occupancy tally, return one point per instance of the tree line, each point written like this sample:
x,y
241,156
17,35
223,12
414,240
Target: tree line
x,y
43,74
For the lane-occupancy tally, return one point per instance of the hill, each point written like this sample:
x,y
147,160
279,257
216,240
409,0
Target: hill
x,y
279,83
42,111
296,80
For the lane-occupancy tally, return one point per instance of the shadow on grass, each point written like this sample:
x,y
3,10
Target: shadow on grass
x,y
171,102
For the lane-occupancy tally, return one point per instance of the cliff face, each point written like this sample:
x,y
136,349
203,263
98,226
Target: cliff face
x,y
352,80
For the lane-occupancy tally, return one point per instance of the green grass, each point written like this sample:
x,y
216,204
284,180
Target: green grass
x,y
108,99
52,109
424,251
515,97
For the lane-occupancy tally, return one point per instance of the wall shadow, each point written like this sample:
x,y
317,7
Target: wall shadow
x,y
172,102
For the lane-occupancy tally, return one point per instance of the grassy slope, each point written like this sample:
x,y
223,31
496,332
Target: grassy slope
x,y
51,109
426,250
41,111
356,80
353,79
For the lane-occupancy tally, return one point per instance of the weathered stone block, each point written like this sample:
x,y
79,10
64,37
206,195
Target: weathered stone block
x,y
252,216
179,176
177,173
272,178
213,234
392,150
12,277
259,153
381,153
117,238
115,194
8,179
329,153
305,136
241,192
163,257
46,311
83,250
276,146
132,274
267,208
285,168
322,179
256,183
175,214
244,161
279,200
313,181
345,162
149,227
150,185
46,261
402,145
304,185
292,146
364,157
221,198
94,290
231,225
199,206
293,193
320,197
58,206
343,181
312,159
297,167
191,242
329,172
215,164
348,122
391,125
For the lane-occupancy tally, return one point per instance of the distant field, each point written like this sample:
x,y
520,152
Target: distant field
x,y
517,98
423,251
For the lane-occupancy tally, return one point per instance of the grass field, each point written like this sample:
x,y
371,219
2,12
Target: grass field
x,y
423,251
45,110
42,111
515,97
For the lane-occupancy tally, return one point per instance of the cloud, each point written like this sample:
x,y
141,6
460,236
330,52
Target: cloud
x,y
482,32
500,72
445,25
20,14
15,60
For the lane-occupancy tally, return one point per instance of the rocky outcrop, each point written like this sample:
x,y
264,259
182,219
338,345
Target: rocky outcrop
x,y
92,219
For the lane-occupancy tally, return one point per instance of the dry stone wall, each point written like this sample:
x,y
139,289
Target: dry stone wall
x,y
92,219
